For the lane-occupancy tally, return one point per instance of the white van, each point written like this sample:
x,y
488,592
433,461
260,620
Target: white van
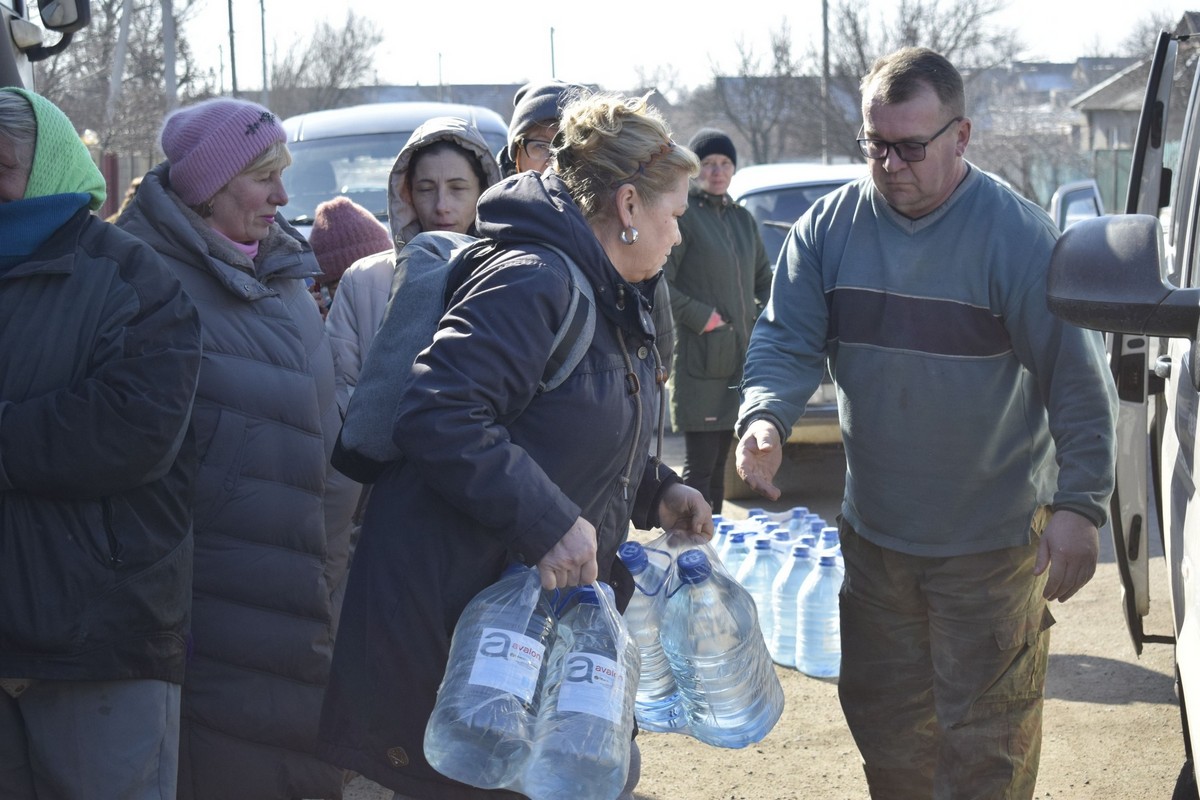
x,y
350,151
1137,275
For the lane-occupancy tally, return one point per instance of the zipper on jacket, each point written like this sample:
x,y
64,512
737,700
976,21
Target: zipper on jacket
x,y
114,545
660,372
635,391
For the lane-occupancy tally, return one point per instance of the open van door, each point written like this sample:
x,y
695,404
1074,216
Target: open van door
x,y
1132,362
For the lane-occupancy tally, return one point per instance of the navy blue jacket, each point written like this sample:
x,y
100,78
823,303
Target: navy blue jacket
x,y
99,357
492,471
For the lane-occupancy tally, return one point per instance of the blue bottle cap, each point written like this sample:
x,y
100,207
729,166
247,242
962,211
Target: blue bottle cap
x,y
762,543
737,537
693,566
828,561
633,555
800,550
587,595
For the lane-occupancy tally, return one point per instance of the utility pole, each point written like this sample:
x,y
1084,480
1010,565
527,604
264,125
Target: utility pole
x,y
232,57
262,16
825,81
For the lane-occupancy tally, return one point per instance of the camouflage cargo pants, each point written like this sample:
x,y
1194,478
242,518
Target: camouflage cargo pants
x,y
943,670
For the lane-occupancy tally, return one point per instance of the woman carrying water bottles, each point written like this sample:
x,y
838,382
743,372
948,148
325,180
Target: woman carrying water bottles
x,y
494,471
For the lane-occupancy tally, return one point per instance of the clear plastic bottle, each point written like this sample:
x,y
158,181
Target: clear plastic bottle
x,y
481,728
782,540
720,535
784,594
585,724
711,636
818,625
737,548
795,522
658,706
757,574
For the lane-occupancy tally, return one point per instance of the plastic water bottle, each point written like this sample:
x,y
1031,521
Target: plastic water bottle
x,y
818,626
831,545
585,724
757,574
782,540
829,540
721,535
711,636
736,551
482,725
795,522
658,706
785,591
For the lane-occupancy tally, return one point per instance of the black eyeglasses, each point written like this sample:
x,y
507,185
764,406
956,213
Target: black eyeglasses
x,y
877,149
536,149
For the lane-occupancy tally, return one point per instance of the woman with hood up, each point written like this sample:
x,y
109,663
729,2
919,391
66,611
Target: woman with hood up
x,y
434,185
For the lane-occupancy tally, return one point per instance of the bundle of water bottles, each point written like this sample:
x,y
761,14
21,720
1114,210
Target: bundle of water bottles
x,y
538,693
705,668
792,566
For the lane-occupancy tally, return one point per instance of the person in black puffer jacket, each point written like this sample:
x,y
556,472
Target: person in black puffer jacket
x,y
99,358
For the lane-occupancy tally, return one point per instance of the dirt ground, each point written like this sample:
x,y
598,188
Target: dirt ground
x,y
1111,729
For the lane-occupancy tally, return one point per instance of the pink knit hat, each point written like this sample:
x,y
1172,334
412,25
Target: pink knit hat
x,y
342,233
209,143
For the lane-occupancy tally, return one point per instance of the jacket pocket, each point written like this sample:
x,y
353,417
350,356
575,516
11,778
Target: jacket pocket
x,y
715,354
220,467
56,563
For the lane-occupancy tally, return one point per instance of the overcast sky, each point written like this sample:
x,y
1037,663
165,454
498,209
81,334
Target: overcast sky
x,y
605,43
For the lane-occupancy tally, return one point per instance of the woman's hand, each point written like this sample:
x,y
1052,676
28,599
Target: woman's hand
x,y
684,510
572,561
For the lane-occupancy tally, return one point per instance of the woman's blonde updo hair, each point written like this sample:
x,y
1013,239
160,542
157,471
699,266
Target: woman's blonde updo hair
x,y
606,140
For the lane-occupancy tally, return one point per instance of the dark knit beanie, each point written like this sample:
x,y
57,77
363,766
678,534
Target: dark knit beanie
x,y
534,103
209,143
342,233
708,141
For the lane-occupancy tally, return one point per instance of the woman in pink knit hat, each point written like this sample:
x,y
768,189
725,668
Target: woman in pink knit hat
x,y
342,233
264,422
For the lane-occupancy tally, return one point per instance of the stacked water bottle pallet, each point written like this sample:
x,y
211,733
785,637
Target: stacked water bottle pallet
x,y
791,564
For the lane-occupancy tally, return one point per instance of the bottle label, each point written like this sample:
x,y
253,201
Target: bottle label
x,y
592,684
509,662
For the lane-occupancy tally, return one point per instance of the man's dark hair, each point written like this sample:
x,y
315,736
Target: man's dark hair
x,y
899,76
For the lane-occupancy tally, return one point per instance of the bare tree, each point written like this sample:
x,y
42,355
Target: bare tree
x,y
961,30
82,81
664,78
321,72
1140,41
756,102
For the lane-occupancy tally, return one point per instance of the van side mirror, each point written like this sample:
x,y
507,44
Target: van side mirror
x,y
66,16
1107,274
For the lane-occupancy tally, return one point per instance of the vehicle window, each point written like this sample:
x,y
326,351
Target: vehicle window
x,y
1080,206
355,166
777,210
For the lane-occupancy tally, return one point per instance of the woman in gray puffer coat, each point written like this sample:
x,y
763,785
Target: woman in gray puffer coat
x,y
265,420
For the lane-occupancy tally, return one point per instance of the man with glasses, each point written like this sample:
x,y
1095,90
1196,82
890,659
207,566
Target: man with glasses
x,y
536,108
978,431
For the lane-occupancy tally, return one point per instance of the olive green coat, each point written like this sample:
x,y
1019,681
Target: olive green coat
x,y
720,264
